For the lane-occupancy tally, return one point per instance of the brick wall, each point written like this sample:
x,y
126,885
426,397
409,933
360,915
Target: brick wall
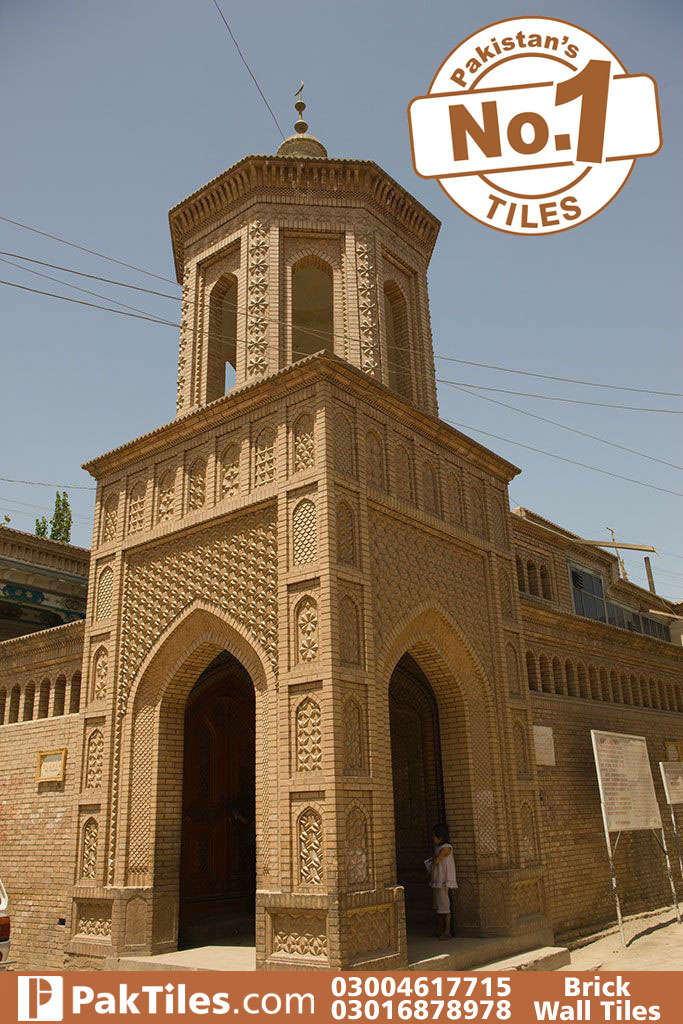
x,y
577,868
36,839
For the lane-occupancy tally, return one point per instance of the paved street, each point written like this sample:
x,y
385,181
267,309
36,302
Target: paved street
x,y
654,943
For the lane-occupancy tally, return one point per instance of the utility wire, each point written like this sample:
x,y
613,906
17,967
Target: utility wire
x,y
563,458
93,277
93,305
566,380
42,483
554,398
92,252
75,287
455,384
564,426
244,61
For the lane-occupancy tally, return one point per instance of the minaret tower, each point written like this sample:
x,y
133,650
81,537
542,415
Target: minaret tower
x,y
302,593
281,257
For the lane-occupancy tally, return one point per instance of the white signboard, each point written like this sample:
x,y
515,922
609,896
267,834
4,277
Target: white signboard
x,y
50,765
672,777
544,745
627,790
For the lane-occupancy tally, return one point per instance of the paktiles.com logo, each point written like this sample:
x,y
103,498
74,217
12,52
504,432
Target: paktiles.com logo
x,y
40,997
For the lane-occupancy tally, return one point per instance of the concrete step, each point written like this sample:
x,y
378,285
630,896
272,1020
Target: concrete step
x,y
201,958
545,958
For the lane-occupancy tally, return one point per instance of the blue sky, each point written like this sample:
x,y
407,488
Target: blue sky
x,y
111,113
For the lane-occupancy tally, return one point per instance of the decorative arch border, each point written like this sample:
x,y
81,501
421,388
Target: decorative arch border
x,y
201,630
462,687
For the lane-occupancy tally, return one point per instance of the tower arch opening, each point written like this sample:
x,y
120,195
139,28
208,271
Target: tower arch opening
x,y
312,308
398,341
222,340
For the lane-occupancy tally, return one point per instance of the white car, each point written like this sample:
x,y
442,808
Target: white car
x,y
4,926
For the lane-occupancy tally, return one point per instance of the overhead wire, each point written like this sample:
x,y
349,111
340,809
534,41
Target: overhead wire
x,y
93,277
563,458
566,380
458,385
82,248
246,64
75,287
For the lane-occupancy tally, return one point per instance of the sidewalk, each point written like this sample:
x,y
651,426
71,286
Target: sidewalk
x,y
654,943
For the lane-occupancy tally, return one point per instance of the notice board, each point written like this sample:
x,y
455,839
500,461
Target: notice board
x,y
627,789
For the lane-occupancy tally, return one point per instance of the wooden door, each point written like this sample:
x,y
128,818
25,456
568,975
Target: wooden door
x,y
217,864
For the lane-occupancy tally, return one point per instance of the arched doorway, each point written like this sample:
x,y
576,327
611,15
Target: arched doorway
x,y
417,779
217,858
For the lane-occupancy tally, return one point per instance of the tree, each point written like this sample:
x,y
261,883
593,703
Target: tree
x,y
60,524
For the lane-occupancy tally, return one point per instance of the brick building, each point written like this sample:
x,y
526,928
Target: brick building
x,y
314,627
43,583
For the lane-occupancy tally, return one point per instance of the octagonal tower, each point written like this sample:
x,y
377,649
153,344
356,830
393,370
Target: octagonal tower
x,y
283,256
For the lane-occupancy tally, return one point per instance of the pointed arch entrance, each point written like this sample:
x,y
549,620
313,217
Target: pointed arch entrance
x,y
218,830
417,779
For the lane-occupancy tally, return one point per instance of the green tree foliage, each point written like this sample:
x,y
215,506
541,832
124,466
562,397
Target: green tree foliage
x,y
60,524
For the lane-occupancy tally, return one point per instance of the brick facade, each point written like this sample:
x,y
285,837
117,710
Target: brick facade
x,y
318,526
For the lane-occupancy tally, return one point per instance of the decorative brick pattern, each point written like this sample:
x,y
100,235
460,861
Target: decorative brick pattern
x,y
105,593
230,471
197,485
257,301
100,674
136,508
310,836
89,849
308,736
300,934
346,534
304,443
304,532
166,502
307,630
264,457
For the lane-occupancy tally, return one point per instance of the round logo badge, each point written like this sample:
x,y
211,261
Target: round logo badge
x,y
532,125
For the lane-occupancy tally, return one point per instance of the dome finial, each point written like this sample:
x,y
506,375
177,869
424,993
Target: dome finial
x,y
301,127
301,144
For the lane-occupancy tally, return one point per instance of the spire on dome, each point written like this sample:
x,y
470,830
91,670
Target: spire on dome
x,y
301,144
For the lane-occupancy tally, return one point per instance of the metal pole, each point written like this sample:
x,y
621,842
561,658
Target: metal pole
x,y
675,832
671,877
613,873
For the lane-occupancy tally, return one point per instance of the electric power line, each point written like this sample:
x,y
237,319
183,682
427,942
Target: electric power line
x,y
75,287
42,483
564,426
453,383
93,277
566,380
244,61
563,458
92,252
555,398
93,305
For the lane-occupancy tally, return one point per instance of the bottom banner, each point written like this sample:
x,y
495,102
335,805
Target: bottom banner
x,y
332,996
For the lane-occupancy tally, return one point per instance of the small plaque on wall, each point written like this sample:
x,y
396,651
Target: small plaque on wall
x,y
544,745
50,765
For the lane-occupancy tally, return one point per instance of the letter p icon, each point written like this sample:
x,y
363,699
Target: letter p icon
x,y
40,997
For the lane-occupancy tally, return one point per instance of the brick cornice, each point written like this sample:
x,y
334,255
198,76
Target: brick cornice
x,y
282,384
289,180
65,640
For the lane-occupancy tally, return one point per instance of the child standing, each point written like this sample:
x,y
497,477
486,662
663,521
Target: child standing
x,y
442,878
